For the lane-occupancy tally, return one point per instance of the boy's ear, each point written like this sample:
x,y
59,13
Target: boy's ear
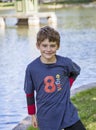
x,y
58,47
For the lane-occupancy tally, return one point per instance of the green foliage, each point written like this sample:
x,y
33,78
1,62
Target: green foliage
x,y
31,128
86,104
7,4
74,1
67,2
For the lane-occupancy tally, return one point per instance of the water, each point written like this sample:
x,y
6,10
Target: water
x,y
77,27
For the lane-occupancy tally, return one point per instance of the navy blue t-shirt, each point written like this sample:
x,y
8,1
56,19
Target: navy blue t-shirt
x,y
51,83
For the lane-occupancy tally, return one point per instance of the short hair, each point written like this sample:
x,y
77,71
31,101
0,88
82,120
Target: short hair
x,y
50,33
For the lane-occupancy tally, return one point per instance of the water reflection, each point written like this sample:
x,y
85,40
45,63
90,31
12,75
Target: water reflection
x,y
2,31
14,55
11,21
78,18
32,31
77,28
81,46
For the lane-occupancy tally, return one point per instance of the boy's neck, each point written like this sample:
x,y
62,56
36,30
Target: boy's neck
x,y
50,61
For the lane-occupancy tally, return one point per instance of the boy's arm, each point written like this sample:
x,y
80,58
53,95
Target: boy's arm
x,y
29,90
30,104
75,71
31,109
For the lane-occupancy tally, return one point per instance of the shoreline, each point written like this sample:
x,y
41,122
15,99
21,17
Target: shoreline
x,y
57,6
26,122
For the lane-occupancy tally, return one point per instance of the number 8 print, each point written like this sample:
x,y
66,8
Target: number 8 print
x,y
49,84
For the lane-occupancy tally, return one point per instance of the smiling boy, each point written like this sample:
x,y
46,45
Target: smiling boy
x,y
51,76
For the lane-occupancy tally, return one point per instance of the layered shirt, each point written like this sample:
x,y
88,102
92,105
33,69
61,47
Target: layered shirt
x,y
52,84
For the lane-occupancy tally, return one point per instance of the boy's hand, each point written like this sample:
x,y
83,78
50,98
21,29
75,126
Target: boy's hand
x,y
34,121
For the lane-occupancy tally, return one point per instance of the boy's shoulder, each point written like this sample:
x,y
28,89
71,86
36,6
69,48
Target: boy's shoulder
x,y
64,59
33,63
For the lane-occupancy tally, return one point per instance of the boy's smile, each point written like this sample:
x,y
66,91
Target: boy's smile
x,y
48,51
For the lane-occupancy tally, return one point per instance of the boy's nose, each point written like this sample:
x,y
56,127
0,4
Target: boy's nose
x,y
48,48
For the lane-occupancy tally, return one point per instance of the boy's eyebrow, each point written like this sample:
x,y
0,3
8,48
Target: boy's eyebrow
x,y
52,44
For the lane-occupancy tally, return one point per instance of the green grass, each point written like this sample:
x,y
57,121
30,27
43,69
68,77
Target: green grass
x,y
86,104
6,4
31,128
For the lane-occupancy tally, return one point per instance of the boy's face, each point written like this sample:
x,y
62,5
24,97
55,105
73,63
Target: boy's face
x,y
48,51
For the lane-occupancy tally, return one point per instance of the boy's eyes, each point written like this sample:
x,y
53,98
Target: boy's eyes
x,y
44,45
50,46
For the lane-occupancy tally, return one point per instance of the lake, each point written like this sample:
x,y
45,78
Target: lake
x,y
77,27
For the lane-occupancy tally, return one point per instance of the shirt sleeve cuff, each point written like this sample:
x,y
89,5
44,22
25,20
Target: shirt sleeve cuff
x,y
31,109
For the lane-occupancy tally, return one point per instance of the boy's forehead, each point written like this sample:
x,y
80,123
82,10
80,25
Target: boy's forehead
x,y
47,41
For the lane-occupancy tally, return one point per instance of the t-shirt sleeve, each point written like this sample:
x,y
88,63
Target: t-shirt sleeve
x,y
74,71
29,90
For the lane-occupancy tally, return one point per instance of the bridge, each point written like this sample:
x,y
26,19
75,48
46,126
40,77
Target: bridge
x,y
28,10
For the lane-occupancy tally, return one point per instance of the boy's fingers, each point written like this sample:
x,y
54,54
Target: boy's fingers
x,y
35,125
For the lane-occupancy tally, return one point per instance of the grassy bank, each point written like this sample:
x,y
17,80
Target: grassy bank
x,y
6,4
11,4
86,104
69,2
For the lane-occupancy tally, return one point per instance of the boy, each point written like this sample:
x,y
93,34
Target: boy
x,y
51,76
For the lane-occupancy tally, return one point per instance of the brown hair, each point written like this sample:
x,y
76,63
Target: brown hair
x,y
48,33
